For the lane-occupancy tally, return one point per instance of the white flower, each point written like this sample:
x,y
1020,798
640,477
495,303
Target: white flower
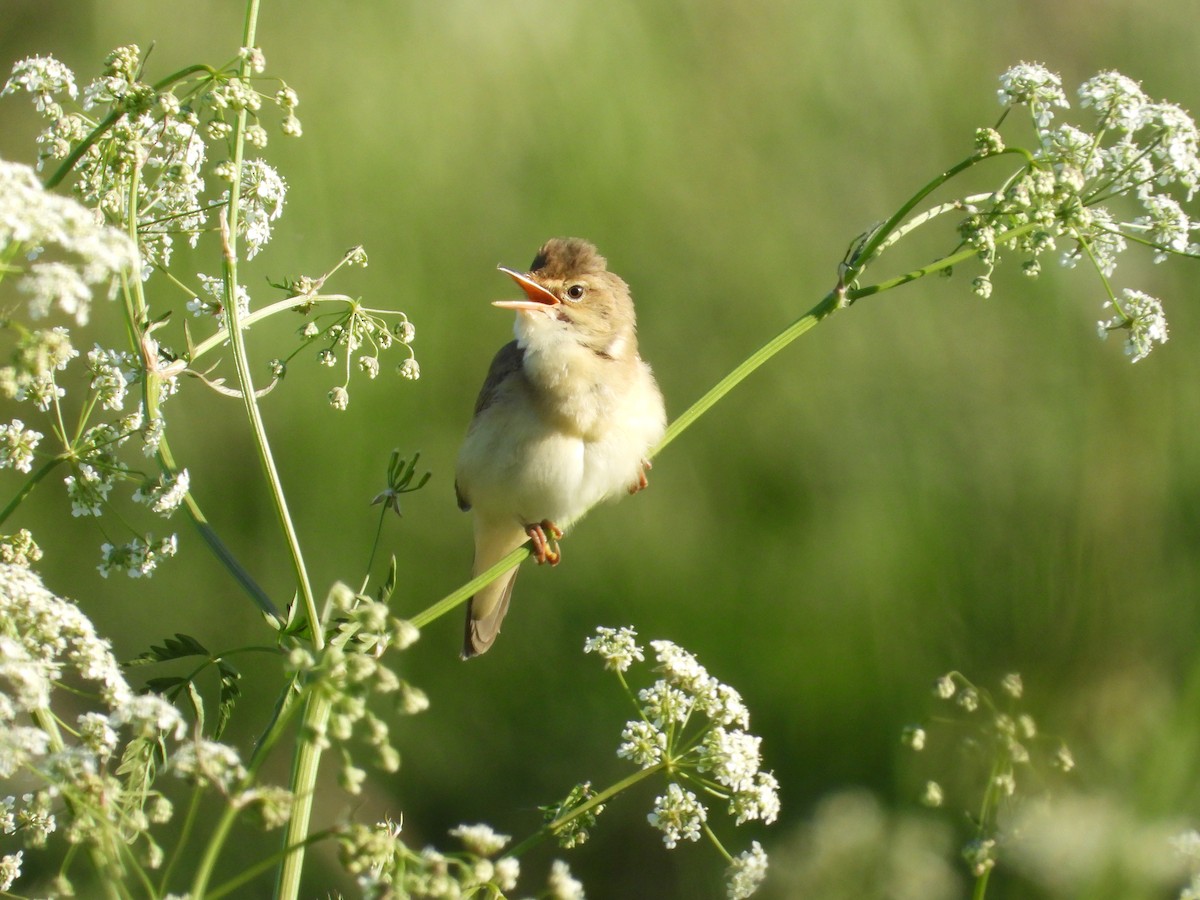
x,y
263,195
17,444
139,557
339,398
50,284
1035,86
642,743
759,800
1166,225
944,687
618,648
506,872
932,794
678,814
370,365
44,77
732,756
88,490
680,667
10,869
723,704
56,634
1117,100
480,839
914,737
1187,844
410,369
562,885
664,705
746,872
149,716
1142,316
165,496
112,373
1175,145
203,760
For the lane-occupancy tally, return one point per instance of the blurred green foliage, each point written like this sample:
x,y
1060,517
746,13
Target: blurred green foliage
x,y
928,481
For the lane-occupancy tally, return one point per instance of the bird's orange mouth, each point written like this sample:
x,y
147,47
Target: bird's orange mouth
x,y
537,297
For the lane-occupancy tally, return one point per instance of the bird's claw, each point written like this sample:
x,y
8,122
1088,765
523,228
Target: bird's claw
x,y
545,535
642,481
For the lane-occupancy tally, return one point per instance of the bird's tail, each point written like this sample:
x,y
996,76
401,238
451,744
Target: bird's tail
x,y
485,611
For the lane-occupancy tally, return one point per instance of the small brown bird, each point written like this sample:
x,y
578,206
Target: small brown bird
x,y
566,416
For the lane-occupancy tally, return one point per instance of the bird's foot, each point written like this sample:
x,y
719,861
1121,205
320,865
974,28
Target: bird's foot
x,y
642,481
545,535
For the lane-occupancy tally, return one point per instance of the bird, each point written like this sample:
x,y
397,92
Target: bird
x,y
566,418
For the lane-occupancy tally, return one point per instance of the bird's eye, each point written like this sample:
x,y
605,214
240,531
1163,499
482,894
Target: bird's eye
x,y
575,292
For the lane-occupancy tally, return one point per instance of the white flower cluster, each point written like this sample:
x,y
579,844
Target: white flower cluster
x,y
1136,154
36,225
694,727
384,866
92,780
156,149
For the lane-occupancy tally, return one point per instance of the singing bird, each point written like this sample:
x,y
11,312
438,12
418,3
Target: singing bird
x,y
566,417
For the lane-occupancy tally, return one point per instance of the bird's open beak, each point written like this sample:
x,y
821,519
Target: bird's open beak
x,y
538,298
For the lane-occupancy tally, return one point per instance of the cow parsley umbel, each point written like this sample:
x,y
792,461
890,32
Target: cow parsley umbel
x,y
1092,189
1002,759
691,729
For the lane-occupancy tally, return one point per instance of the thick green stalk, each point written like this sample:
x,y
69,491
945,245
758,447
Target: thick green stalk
x,y
308,755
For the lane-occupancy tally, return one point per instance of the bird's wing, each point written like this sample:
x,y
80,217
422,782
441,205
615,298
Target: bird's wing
x,y
506,361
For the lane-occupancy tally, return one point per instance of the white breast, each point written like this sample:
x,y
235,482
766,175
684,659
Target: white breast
x,y
534,459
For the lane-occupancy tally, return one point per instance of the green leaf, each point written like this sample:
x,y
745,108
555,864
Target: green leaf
x,y
179,647
231,691
166,684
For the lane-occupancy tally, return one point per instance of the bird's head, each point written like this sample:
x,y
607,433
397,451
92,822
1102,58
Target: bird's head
x,y
570,292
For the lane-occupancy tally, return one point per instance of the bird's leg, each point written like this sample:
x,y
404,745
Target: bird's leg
x,y
545,535
642,481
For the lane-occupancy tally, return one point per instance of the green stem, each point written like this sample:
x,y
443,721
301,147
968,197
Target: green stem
x,y
716,842
829,304
981,886
258,315
308,755
881,235
941,265
447,603
184,840
603,797
258,868
304,781
212,850
30,483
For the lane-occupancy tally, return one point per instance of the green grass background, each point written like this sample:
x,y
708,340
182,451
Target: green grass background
x,y
928,481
